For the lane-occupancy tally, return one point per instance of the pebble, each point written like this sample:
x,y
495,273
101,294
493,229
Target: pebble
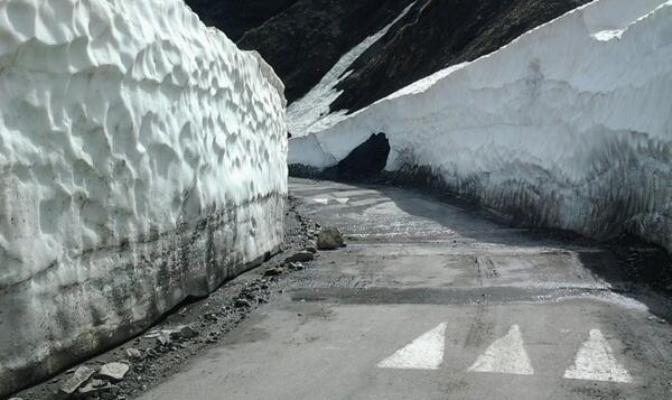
x,y
295,266
302,256
134,354
115,370
240,303
81,375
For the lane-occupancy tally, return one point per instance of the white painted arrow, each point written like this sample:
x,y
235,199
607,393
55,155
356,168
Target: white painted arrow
x,y
425,352
505,355
595,361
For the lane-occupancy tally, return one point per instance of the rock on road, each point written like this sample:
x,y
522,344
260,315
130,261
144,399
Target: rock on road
x,y
431,300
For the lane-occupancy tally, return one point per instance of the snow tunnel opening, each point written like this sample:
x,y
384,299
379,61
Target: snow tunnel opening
x,y
367,160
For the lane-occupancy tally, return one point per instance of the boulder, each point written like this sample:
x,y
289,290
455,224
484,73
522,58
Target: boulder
x,y
95,385
330,238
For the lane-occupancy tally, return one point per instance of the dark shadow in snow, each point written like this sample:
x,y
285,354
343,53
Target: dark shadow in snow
x,y
364,162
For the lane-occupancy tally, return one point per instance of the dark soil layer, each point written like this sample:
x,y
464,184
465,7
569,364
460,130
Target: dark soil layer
x,y
308,38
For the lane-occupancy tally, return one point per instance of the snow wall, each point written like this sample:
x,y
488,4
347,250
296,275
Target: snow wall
x,y
142,160
569,126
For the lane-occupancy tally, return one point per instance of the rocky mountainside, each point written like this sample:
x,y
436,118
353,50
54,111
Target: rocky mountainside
x,y
238,17
303,39
437,34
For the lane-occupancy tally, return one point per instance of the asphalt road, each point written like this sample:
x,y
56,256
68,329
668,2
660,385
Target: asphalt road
x,y
436,301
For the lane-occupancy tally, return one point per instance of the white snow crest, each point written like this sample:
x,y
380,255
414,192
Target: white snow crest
x,y
569,123
123,125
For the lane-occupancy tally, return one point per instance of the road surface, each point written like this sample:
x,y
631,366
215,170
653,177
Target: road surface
x,y
435,301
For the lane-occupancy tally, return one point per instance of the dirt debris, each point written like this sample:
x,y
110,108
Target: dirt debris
x,y
191,329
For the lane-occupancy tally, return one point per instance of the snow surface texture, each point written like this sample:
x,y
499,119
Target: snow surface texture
x,y
569,126
142,159
311,113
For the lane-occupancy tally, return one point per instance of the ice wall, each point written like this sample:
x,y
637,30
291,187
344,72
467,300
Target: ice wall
x,y
569,126
142,160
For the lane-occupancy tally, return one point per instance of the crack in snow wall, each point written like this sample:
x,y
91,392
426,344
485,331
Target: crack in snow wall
x,y
569,126
142,161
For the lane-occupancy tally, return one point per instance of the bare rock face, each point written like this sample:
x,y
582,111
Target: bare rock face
x,y
301,256
330,238
304,38
437,34
142,160
238,16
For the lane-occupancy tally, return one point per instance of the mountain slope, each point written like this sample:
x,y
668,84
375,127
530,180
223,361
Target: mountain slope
x,y
437,34
236,17
304,41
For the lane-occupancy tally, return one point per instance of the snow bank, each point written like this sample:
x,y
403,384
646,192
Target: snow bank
x,y
569,126
142,160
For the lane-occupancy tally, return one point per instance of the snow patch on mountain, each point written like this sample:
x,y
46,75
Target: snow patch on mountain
x,y
142,160
311,113
569,126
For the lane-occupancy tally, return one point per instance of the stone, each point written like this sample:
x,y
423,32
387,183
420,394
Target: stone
x,y
81,375
365,161
329,238
114,370
95,385
273,271
164,338
183,332
657,319
134,354
311,249
242,303
302,256
295,266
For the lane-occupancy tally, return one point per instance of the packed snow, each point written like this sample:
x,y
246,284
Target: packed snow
x,y
312,113
569,126
142,159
